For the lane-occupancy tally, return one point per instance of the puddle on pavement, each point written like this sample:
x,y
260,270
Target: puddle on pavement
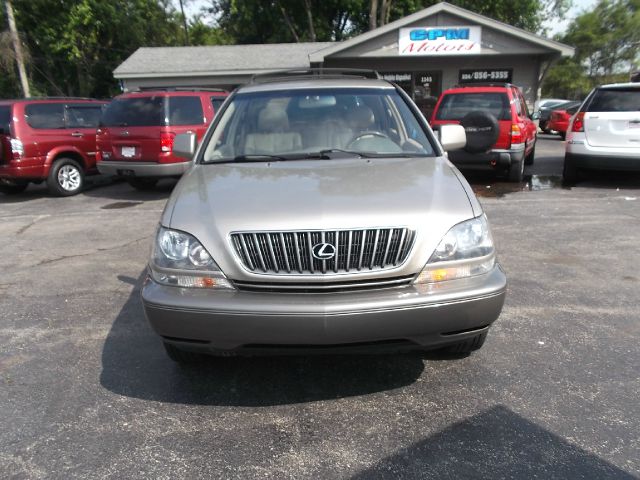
x,y
532,183
112,206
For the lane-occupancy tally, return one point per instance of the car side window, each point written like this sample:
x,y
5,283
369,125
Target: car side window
x,y
185,111
516,101
216,102
45,115
83,116
523,106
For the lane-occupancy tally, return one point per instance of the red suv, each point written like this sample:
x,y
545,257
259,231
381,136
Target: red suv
x,y
52,139
501,134
135,138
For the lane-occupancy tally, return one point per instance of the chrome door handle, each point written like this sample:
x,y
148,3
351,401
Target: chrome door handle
x,y
77,134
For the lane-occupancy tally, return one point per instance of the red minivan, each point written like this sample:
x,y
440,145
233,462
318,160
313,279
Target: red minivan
x,y
48,139
135,137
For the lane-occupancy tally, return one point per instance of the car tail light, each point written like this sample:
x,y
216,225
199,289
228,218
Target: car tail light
x,y
516,134
166,142
578,123
17,149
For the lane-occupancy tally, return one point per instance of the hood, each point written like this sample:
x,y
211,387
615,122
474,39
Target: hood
x,y
212,201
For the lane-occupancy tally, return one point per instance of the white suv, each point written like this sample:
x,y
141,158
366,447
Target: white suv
x,y
605,133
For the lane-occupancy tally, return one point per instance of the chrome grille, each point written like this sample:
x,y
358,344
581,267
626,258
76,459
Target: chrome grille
x,y
291,252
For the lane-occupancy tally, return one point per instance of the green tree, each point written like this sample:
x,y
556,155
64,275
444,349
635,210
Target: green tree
x,y
607,42
75,46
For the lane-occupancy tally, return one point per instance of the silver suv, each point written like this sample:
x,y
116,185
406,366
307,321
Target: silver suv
x,y
321,214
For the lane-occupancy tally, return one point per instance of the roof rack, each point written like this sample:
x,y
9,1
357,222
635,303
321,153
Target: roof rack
x,y
324,73
46,98
178,89
484,84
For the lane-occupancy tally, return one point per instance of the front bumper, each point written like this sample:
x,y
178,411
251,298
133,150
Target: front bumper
x,y
417,317
493,159
143,169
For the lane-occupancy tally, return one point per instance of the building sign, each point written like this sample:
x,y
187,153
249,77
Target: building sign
x,y
503,75
440,41
403,79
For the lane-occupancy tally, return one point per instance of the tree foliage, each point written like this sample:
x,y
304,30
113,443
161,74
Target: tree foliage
x,y
607,42
75,46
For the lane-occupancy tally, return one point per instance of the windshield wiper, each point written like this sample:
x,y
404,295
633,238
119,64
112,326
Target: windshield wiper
x,y
325,154
253,157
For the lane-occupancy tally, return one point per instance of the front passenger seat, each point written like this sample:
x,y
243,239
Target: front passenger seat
x,y
274,136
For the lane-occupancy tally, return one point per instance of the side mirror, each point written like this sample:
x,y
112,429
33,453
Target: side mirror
x,y
184,145
452,137
535,116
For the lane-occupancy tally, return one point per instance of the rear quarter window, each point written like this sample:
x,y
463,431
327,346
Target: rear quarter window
x,y
456,106
5,118
135,112
83,116
185,111
216,103
618,100
45,115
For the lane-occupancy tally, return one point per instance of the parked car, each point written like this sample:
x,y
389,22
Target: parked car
x,y
321,214
605,132
135,138
501,134
559,119
48,139
545,107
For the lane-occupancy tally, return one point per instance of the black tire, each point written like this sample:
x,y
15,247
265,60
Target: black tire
x,y
182,356
142,184
482,131
569,171
66,177
516,171
467,346
10,188
529,159
563,135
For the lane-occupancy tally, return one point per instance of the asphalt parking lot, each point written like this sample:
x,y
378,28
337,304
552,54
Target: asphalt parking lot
x,y
86,390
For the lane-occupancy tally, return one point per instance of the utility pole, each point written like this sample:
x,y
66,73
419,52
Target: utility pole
x,y
17,48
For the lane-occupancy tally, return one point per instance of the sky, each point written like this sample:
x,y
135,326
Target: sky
x,y
579,6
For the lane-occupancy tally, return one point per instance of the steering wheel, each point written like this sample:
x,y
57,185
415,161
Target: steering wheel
x,y
372,133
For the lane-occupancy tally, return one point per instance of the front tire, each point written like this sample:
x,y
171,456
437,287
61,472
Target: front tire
x,y
66,177
467,346
182,356
10,188
143,184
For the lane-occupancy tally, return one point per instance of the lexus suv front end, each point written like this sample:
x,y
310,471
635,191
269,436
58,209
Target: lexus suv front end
x,y
321,214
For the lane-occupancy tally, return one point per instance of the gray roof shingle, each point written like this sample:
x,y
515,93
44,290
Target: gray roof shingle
x,y
207,59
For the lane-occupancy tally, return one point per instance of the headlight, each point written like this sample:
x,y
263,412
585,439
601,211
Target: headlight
x,y
179,259
466,250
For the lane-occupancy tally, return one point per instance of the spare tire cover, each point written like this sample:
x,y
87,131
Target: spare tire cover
x,y
482,131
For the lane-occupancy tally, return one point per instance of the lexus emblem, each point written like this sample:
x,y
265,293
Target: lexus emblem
x,y
323,251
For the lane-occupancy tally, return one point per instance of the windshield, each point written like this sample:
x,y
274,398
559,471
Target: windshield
x,y
316,122
135,112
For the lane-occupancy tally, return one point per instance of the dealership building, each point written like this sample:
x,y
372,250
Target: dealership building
x,y
425,53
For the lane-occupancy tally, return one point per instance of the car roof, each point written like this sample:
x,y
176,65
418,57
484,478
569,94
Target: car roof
x,y
310,83
613,86
51,100
479,88
171,93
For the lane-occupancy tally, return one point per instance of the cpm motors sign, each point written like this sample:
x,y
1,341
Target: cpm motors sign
x,y
440,41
